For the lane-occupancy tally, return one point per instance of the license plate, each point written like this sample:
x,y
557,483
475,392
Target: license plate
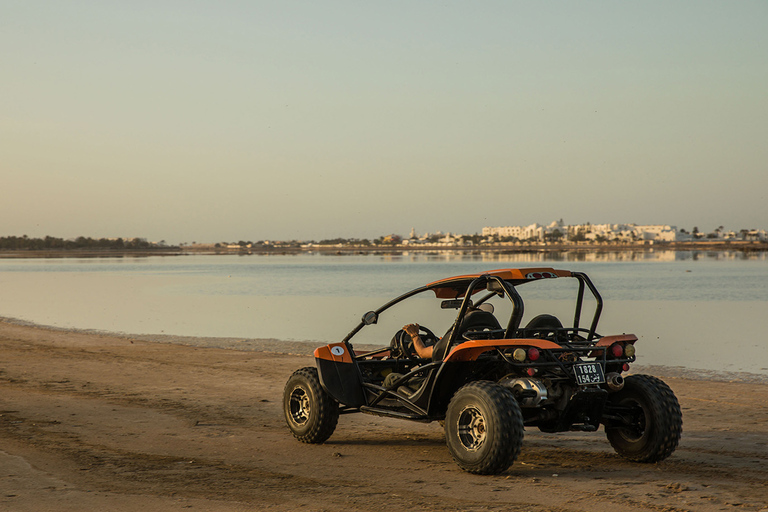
x,y
588,373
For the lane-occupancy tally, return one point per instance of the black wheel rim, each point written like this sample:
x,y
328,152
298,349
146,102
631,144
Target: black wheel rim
x,y
635,421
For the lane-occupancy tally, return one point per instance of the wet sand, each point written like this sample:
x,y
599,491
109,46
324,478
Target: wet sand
x,y
91,421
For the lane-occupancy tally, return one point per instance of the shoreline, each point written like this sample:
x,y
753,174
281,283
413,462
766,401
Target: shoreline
x,y
305,348
501,248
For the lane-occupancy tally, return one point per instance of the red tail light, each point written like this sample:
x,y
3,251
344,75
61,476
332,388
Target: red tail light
x,y
533,354
617,350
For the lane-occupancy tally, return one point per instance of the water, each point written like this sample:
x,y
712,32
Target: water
x,y
697,310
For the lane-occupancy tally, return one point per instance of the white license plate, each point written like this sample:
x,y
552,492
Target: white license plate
x,y
588,373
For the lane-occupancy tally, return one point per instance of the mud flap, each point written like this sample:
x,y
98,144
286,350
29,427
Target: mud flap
x,y
339,375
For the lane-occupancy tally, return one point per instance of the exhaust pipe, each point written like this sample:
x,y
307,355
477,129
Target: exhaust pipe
x,y
614,381
528,392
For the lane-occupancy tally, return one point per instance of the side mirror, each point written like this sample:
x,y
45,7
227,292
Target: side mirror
x,y
495,287
370,318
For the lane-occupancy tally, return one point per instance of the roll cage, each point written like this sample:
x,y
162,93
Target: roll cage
x,y
358,386
496,282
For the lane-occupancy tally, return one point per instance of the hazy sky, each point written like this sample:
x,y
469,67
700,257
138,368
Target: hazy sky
x,y
246,120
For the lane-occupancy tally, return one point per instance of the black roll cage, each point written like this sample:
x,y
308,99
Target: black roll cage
x,y
496,286
465,288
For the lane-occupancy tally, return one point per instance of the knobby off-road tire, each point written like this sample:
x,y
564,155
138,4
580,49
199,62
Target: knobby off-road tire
x,y
310,412
484,428
655,422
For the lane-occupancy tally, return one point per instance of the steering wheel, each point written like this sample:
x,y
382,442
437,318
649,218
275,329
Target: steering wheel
x,y
402,344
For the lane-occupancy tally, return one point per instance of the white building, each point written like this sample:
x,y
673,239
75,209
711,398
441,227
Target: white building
x,y
621,232
659,233
532,232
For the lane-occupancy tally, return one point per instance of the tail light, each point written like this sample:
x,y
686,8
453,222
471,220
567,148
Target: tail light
x,y
521,355
629,350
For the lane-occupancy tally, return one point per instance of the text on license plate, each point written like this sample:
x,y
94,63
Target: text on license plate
x,y
588,373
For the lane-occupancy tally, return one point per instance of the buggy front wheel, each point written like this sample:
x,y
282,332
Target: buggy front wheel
x,y
484,428
310,412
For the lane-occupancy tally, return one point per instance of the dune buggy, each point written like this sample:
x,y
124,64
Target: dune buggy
x,y
487,380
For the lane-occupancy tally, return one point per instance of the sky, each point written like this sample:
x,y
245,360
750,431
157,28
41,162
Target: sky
x,y
234,120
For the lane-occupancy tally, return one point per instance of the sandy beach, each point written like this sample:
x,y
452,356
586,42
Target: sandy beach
x,y
91,421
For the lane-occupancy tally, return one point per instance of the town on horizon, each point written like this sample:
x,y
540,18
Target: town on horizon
x,y
555,233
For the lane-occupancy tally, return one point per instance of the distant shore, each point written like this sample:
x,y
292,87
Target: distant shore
x,y
504,248
90,253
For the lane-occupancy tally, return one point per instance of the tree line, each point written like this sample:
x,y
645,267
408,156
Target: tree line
x,y
24,243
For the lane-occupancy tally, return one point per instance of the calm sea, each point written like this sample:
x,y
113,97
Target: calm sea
x,y
696,310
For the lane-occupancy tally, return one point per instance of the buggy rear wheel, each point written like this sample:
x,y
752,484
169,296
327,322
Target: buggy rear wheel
x,y
484,428
651,421
310,412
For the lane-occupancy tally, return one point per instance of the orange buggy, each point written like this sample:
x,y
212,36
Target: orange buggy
x,y
488,378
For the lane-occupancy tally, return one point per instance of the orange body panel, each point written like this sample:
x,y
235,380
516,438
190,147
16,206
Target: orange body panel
x,y
607,341
508,274
470,350
336,352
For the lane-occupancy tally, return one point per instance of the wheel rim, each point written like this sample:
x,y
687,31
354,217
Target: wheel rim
x,y
635,428
471,428
299,406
